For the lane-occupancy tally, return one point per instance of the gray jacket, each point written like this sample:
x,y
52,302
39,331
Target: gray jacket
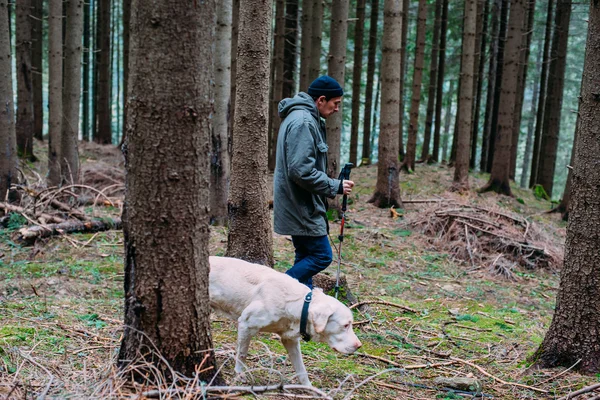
x,y
301,184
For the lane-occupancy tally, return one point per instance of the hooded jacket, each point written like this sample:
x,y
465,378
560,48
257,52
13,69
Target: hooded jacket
x,y
300,184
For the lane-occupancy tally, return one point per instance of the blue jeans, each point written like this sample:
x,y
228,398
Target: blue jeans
x,y
313,255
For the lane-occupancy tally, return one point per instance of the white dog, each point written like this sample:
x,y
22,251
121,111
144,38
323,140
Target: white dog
x,y
264,300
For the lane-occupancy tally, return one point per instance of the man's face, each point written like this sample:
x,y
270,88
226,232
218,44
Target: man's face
x,y
328,108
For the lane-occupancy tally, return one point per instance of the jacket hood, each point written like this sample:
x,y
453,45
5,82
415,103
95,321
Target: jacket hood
x,y
301,101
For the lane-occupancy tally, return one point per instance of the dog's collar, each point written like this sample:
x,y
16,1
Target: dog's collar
x,y
304,317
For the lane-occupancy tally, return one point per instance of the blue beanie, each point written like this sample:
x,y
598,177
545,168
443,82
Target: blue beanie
x,y
325,86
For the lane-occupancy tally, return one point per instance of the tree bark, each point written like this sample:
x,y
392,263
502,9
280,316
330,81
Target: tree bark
x,y
166,291
69,159
539,118
435,156
103,130
411,145
24,125
447,119
336,67
305,43
359,31
250,233
277,86
403,55
87,52
574,333
314,67
387,187
220,156
126,39
366,150
480,45
552,109
8,145
291,38
499,178
37,49
55,87
465,111
433,66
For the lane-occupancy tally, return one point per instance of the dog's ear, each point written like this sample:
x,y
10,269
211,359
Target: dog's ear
x,y
320,314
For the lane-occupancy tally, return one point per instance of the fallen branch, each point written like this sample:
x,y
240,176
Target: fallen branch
x,y
553,377
12,208
586,389
229,389
36,232
387,303
42,396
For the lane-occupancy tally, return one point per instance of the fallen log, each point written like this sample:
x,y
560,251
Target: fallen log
x,y
31,234
12,208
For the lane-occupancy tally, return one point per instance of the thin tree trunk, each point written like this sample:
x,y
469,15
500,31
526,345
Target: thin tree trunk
x,y
305,43
8,145
94,86
480,43
55,86
491,85
403,55
387,188
563,206
277,86
463,150
499,178
336,67
69,159
87,52
36,68
413,127
574,333
440,84
167,309
220,158
531,120
457,118
552,109
126,36
498,83
250,233
433,66
359,31
314,68
366,150
24,125
447,119
527,33
291,38
103,109
539,119
376,110
235,30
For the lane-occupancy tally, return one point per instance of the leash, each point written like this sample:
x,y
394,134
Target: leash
x,y
304,317
344,175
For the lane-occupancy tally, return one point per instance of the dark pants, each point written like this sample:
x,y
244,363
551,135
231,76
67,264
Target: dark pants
x,y
313,255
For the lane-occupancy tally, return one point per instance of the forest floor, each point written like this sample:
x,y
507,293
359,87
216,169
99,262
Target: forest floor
x,y
483,301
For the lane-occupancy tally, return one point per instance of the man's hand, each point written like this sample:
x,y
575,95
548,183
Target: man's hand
x,y
347,187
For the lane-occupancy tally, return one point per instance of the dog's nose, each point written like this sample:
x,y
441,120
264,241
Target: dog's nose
x,y
358,345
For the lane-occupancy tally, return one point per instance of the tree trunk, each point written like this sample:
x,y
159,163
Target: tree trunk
x,y
491,85
8,146
387,188
465,111
235,30
291,38
527,32
574,333
166,291
85,93
69,159
376,109
94,86
305,43
277,86
563,206
24,125
497,84
359,30
403,55
220,156
336,66
413,127
435,156
447,119
366,150
37,49
539,118
552,109
499,179
126,25
103,110
250,233
480,43
531,120
314,68
432,80
55,87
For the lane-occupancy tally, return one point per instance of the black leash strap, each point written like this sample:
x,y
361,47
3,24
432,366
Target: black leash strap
x,y
304,317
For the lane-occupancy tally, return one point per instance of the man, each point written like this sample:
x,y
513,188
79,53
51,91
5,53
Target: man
x,y
301,185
